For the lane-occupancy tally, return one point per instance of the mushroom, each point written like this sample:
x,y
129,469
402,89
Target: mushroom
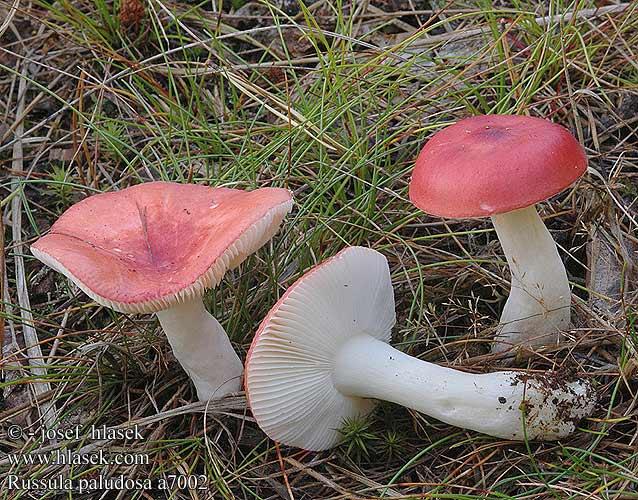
x,y
500,166
156,247
321,356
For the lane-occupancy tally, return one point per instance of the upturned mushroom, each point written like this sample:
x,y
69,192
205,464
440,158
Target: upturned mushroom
x,y
321,356
156,247
501,166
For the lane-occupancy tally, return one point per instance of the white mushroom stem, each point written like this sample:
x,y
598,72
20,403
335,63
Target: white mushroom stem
x,y
538,307
203,349
489,403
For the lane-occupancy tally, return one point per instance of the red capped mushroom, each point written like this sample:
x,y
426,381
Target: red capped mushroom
x,y
156,247
501,166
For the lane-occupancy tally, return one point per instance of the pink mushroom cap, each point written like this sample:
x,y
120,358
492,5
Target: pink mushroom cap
x,y
147,247
492,164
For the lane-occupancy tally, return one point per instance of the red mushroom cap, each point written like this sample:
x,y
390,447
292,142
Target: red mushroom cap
x,y
149,246
492,164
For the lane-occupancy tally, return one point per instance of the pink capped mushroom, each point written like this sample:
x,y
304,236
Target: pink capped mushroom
x,y
501,166
156,247
321,356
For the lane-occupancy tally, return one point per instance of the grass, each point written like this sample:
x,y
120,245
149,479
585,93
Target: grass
x,y
332,100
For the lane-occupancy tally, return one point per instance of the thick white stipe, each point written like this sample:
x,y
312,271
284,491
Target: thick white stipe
x,y
538,306
201,346
491,403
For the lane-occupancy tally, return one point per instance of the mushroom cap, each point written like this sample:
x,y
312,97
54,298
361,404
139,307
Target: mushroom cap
x,y
147,247
492,164
288,371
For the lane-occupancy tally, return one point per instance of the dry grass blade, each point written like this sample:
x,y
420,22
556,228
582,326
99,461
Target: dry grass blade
x,y
9,16
457,35
40,386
